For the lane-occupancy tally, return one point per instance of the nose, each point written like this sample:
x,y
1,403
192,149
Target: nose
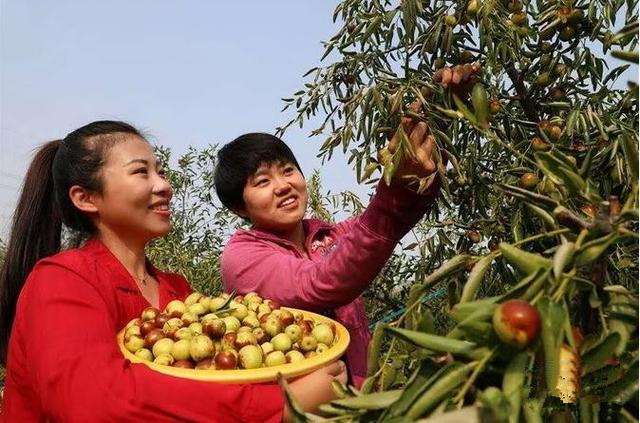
x,y
162,187
281,185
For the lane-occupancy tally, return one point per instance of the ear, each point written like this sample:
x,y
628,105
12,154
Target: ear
x,y
83,199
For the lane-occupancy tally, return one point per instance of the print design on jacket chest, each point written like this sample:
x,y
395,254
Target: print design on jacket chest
x,y
323,246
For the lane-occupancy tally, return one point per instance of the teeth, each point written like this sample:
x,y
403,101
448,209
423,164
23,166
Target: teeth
x,y
287,202
163,207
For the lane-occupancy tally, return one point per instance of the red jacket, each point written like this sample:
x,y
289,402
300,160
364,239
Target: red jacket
x,y
343,260
64,364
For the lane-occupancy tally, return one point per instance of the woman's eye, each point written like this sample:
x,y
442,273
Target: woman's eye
x,y
141,170
162,172
261,181
288,170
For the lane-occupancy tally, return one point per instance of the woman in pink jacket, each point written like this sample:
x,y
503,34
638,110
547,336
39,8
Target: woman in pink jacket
x,y
308,263
60,311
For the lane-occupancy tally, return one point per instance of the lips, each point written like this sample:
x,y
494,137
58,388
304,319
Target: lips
x,y
289,201
161,207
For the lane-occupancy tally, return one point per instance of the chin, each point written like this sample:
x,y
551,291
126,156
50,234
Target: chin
x,y
293,221
159,232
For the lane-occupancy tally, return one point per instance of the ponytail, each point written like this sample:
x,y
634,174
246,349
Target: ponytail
x,y
45,205
35,234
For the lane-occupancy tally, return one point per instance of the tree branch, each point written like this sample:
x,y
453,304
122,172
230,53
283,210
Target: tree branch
x,y
527,105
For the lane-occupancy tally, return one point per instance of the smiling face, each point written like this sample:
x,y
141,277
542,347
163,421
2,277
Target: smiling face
x,y
134,201
275,198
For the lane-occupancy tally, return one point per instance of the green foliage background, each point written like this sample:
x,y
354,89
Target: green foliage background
x,y
545,66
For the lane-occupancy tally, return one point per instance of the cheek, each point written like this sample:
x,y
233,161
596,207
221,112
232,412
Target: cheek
x,y
127,195
137,195
256,199
303,190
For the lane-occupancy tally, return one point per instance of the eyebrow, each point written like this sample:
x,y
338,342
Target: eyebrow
x,y
141,161
265,169
260,171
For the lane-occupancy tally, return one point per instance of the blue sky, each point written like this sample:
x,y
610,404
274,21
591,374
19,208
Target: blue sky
x,y
189,73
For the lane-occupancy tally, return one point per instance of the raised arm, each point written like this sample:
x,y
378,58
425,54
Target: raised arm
x,y
361,251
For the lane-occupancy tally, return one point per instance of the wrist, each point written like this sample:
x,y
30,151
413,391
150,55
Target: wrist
x,y
426,186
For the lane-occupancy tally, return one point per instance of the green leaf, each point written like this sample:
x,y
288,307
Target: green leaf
x,y
531,284
513,383
434,343
480,102
625,389
465,110
426,324
523,261
559,172
599,378
571,121
592,250
463,311
327,51
553,318
375,347
374,401
630,149
475,330
495,401
517,231
628,56
562,257
447,380
409,13
475,278
454,114
420,381
451,266
547,220
596,358
532,410
371,28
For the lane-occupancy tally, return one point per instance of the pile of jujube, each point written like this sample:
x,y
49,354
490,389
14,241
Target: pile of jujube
x,y
225,333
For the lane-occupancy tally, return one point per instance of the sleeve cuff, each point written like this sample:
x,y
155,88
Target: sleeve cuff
x,y
395,209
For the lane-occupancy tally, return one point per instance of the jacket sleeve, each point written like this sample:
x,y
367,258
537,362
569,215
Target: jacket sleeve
x,y
82,376
363,246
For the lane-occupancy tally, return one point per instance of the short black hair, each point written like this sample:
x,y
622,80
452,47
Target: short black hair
x,y
241,158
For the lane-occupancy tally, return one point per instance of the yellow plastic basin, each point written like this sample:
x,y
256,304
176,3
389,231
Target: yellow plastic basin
x,y
264,374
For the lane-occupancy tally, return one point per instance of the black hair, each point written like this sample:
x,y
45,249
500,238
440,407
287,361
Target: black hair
x,y
241,158
44,205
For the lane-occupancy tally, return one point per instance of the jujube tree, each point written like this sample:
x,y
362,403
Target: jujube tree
x,y
535,237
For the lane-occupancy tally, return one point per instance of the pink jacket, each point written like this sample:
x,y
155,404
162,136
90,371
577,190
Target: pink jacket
x,y
344,258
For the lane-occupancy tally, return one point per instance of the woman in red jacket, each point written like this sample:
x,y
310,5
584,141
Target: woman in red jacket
x,y
60,311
